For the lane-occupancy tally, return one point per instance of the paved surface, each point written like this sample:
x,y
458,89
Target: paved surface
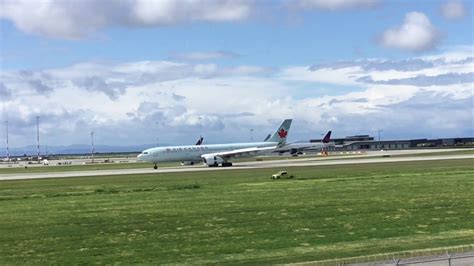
x,y
84,159
73,161
242,165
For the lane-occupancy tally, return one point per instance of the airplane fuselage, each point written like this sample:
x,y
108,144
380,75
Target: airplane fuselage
x,y
193,153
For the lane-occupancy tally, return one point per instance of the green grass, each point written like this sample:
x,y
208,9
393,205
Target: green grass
x,y
238,216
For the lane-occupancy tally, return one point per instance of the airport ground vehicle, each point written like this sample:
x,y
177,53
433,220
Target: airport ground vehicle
x,y
282,174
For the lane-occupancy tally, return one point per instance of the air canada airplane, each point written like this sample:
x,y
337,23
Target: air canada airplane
x,y
216,154
296,148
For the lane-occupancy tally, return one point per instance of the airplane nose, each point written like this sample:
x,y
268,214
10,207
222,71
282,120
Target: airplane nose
x,y
139,157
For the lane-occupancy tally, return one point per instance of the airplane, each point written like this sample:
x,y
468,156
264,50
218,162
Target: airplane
x,y
214,155
296,148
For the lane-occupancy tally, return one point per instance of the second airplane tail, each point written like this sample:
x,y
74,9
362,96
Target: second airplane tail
x,y
200,140
327,138
281,133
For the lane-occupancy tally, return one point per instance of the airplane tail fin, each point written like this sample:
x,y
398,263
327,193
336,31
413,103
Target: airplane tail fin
x,y
268,136
281,133
200,140
327,138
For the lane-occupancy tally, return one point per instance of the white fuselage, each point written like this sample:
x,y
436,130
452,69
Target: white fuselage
x,y
193,153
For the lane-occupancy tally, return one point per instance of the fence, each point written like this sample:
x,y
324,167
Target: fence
x,y
448,259
435,256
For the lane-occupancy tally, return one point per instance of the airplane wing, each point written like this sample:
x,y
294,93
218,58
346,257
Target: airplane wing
x,y
239,152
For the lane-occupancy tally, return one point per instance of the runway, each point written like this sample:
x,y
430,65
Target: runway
x,y
242,165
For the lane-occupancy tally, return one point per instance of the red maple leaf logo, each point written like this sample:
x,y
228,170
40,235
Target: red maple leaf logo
x,y
282,133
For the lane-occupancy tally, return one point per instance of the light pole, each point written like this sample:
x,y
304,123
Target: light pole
x,y
38,138
92,146
379,131
251,135
8,151
157,138
200,128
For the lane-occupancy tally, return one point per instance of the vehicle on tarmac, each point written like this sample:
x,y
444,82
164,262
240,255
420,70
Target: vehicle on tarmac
x,y
282,174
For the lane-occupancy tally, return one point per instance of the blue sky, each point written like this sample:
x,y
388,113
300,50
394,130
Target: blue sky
x,y
121,66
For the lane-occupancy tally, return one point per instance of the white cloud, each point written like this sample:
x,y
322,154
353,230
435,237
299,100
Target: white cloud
x,y
453,10
62,18
415,34
223,103
66,19
330,4
202,56
166,12
455,53
342,76
78,19
5,93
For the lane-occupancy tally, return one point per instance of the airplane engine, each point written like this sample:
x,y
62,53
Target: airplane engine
x,y
213,160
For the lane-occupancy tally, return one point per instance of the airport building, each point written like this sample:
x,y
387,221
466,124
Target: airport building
x,y
366,142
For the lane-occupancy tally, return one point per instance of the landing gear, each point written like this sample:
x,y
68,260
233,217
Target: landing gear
x,y
224,164
215,164
155,167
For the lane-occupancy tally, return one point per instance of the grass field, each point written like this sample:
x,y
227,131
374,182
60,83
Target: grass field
x,y
238,216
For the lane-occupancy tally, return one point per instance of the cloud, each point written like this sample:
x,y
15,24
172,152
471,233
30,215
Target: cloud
x,y
339,76
424,80
355,100
202,56
62,19
330,5
5,93
422,115
152,112
177,97
98,84
78,19
37,81
167,12
453,10
65,19
234,115
379,64
123,105
114,79
415,34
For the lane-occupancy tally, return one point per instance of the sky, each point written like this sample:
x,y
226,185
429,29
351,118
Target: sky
x,y
133,71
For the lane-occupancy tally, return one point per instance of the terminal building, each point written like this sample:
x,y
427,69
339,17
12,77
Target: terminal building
x,y
366,142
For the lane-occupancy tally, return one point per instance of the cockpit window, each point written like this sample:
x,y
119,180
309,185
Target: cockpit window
x,y
145,152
